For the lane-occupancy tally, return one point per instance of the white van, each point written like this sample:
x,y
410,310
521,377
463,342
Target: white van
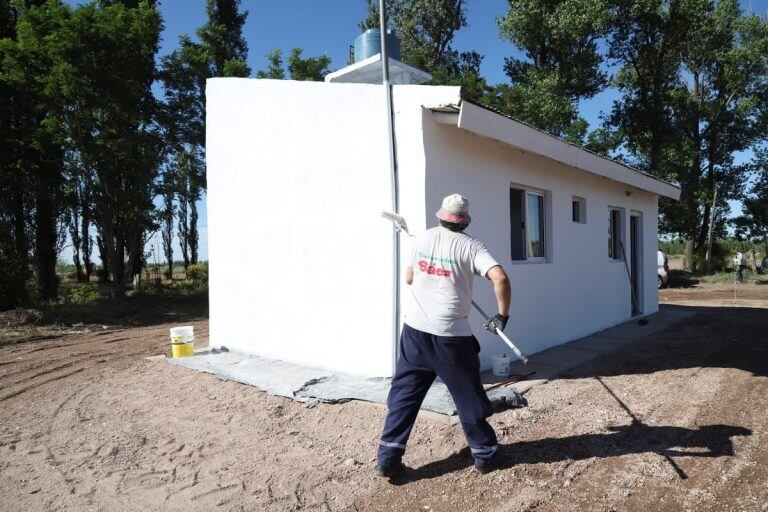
x,y
662,261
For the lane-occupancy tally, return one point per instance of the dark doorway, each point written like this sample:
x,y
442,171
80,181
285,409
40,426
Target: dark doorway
x,y
636,264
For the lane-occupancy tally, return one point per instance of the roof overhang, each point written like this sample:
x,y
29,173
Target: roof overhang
x,y
487,123
369,71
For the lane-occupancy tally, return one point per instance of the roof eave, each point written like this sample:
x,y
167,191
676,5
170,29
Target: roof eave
x,y
487,123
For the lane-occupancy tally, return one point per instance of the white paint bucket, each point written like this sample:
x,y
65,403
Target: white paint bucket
x,y
183,341
501,366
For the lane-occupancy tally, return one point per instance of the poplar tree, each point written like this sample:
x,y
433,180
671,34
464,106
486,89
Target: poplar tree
x,y
426,29
111,50
560,62
694,83
221,51
33,135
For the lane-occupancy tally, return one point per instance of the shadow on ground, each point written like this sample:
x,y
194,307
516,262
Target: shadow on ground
x,y
666,441
719,337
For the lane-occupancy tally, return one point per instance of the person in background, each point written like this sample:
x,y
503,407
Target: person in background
x,y
741,263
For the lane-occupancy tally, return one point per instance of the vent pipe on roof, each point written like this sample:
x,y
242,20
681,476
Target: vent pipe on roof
x,y
393,184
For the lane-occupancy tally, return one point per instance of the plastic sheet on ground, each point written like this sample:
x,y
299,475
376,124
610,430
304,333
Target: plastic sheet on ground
x,y
314,385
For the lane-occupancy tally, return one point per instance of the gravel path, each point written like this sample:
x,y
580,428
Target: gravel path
x,y
88,423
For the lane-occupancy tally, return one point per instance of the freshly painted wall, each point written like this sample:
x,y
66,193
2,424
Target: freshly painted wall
x,y
301,262
300,259
578,291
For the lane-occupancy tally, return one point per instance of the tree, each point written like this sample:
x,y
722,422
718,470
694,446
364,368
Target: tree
x,y
753,223
167,190
561,64
311,69
426,29
694,81
222,36
221,51
112,117
33,135
274,69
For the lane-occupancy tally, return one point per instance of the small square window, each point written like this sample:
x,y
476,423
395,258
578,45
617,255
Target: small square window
x,y
579,210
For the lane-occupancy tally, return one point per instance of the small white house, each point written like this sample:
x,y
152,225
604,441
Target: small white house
x,y
301,263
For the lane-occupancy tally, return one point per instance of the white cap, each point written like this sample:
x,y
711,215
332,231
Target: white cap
x,y
455,209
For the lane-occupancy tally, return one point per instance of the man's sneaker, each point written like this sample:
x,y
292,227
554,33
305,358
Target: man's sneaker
x,y
490,465
390,470
485,468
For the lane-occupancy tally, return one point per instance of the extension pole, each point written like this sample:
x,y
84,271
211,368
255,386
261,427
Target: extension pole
x,y
393,182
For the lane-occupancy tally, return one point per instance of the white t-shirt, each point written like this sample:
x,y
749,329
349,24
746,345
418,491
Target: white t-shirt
x,y
444,265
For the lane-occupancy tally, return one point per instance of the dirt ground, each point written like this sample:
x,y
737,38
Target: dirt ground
x,y
88,423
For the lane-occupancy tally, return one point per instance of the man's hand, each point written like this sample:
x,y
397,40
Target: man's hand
x,y
496,322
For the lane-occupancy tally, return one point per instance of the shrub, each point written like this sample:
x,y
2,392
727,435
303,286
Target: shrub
x,y
87,293
198,272
13,281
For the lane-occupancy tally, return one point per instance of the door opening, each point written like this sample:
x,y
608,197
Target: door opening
x,y
636,262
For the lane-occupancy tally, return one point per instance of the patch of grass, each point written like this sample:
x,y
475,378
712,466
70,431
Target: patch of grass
x,y
685,279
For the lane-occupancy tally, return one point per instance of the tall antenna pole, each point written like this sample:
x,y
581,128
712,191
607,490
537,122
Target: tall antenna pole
x,y
393,182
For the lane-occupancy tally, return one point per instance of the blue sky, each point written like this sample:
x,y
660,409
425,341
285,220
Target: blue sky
x,y
328,27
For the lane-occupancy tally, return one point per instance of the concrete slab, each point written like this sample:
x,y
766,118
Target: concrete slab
x,y
565,356
525,385
597,344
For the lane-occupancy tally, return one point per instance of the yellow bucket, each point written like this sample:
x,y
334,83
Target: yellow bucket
x,y
183,341
183,349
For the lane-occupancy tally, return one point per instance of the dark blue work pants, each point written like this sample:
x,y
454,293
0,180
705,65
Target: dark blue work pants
x,y
454,359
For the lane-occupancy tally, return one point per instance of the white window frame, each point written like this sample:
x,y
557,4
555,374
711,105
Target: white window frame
x,y
545,222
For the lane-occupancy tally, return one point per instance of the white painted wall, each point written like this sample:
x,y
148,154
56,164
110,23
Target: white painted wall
x,y
298,269
579,290
300,261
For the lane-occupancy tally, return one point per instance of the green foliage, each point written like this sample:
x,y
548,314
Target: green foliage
x,y
372,17
86,293
221,51
274,69
753,223
304,69
674,247
309,69
222,37
13,280
426,29
561,64
110,69
694,84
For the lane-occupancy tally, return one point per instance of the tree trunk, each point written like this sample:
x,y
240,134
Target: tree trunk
x,y
85,234
19,224
104,257
710,231
184,225
45,245
74,234
167,228
193,234
689,250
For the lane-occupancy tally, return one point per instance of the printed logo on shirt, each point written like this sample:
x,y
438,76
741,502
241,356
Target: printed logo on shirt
x,y
433,270
450,261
